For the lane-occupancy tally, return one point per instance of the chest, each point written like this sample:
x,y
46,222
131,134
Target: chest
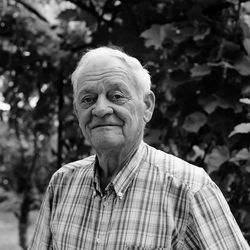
x,y
137,220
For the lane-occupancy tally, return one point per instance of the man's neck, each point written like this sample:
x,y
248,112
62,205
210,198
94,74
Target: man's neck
x,y
112,161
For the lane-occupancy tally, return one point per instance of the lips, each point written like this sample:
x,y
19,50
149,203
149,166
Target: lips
x,y
103,125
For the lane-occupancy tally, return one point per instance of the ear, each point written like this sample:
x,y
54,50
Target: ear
x,y
149,100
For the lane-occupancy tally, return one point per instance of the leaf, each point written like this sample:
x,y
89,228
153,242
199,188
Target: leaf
x,y
201,34
200,70
177,35
242,128
83,16
194,122
67,14
219,155
241,155
35,8
247,166
246,90
209,103
152,36
246,43
4,106
3,129
99,3
225,104
243,66
245,101
244,20
157,34
246,6
197,152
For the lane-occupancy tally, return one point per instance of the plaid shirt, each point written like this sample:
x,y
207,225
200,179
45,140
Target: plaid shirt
x,y
157,201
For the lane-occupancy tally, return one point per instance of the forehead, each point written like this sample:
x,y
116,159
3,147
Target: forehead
x,y
106,70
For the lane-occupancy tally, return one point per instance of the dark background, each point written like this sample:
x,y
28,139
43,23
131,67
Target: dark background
x,y
198,54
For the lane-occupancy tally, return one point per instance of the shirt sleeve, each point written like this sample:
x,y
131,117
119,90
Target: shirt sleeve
x,y
42,238
212,225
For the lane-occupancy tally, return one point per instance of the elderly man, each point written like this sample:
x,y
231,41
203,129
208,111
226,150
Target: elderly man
x,y
129,195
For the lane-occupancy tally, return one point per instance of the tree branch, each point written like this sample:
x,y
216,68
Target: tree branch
x,y
90,9
32,10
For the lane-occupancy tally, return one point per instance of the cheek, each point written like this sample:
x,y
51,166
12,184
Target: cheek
x,y
137,112
132,115
83,119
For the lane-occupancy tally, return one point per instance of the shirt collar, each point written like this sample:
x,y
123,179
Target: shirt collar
x,y
125,176
96,178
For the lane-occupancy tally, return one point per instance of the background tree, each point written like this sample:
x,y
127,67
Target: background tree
x,y
198,53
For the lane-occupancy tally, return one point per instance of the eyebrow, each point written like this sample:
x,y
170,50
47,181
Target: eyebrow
x,y
110,83
86,89
114,86
117,85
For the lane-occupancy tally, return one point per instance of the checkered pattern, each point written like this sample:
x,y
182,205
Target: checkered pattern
x,y
157,201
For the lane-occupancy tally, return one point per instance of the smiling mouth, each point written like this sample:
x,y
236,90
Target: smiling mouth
x,y
104,125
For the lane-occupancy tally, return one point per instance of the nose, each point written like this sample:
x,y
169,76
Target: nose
x,y
102,107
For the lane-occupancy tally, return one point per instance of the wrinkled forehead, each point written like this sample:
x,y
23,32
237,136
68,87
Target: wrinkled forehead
x,y
100,67
99,64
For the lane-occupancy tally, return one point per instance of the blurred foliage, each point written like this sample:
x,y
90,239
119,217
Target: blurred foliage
x,y
198,53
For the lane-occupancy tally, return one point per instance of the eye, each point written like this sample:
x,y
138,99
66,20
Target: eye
x,y
87,100
118,97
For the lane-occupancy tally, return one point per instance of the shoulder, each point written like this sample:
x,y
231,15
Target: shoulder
x,y
180,172
73,166
73,170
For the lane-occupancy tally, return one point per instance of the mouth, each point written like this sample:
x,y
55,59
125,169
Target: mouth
x,y
103,125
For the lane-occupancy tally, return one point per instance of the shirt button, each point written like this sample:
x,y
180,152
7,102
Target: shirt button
x,y
120,194
98,241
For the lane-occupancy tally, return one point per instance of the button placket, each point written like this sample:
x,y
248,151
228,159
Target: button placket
x,y
120,195
105,203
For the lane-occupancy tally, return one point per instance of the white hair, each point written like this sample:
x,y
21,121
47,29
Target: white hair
x,y
140,74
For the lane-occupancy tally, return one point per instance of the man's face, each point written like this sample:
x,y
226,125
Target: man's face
x,y
109,105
